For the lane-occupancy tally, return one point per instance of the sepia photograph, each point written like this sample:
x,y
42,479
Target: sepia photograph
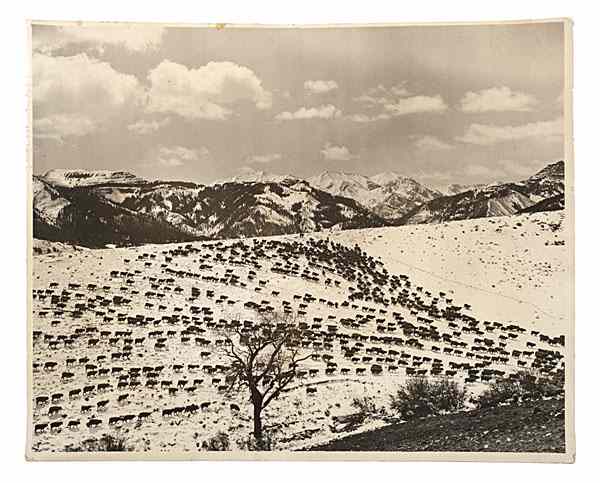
x,y
347,242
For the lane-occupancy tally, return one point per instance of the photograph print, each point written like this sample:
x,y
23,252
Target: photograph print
x,y
301,242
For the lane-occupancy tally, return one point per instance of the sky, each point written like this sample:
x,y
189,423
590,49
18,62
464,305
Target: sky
x,y
442,104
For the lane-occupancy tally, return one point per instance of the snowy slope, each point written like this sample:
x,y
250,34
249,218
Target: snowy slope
x,y
510,270
455,188
100,213
259,176
74,177
389,195
496,199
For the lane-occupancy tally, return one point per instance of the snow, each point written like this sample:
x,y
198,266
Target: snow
x,y
386,178
257,176
80,177
379,193
47,202
44,247
507,268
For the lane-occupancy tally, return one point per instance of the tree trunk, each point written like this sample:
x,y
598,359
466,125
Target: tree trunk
x,y
257,419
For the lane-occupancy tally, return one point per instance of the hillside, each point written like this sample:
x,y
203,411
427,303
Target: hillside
x,y
534,427
521,258
495,200
455,188
365,303
122,213
83,215
96,208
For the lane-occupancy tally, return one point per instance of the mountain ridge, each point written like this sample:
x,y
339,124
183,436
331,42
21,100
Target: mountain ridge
x,y
388,194
494,200
97,208
161,211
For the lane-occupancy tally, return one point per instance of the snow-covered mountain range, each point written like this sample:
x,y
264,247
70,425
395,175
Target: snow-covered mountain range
x,y
95,208
389,195
540,192
158,212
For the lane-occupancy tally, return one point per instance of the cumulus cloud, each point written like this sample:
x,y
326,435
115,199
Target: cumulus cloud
x,y
135,38
146,127
81,89
263,158
488,134
371,100
400,106
207,92
366,118
497,99
175,156
328,111
320,86
57,127
381,95
431,143
411,105
332,152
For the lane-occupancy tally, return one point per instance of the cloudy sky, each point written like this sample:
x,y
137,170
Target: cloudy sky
x,y
443,104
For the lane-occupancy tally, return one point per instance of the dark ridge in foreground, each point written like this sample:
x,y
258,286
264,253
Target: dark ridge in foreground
x,y
535,427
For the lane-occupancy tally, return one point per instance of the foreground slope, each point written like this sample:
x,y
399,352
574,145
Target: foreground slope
x,y
532,427
126,340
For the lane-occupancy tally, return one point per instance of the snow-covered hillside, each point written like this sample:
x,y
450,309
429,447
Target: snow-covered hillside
x,y
499,199
455,188
411,300
158,212
80,177
259,176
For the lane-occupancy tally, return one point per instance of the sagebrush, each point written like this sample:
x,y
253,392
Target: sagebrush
x,y
420,397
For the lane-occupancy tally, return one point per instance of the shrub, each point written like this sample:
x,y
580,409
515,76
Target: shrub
x,y
266,443
420,397
500,392
106,442
520,387
218,442
365,405
113,443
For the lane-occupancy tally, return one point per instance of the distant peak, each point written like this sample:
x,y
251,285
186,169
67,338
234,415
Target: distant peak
x,y
556,170
338,174
251,175
82,177
392,178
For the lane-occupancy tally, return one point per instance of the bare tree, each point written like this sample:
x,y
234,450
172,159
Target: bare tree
x,y
264,358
